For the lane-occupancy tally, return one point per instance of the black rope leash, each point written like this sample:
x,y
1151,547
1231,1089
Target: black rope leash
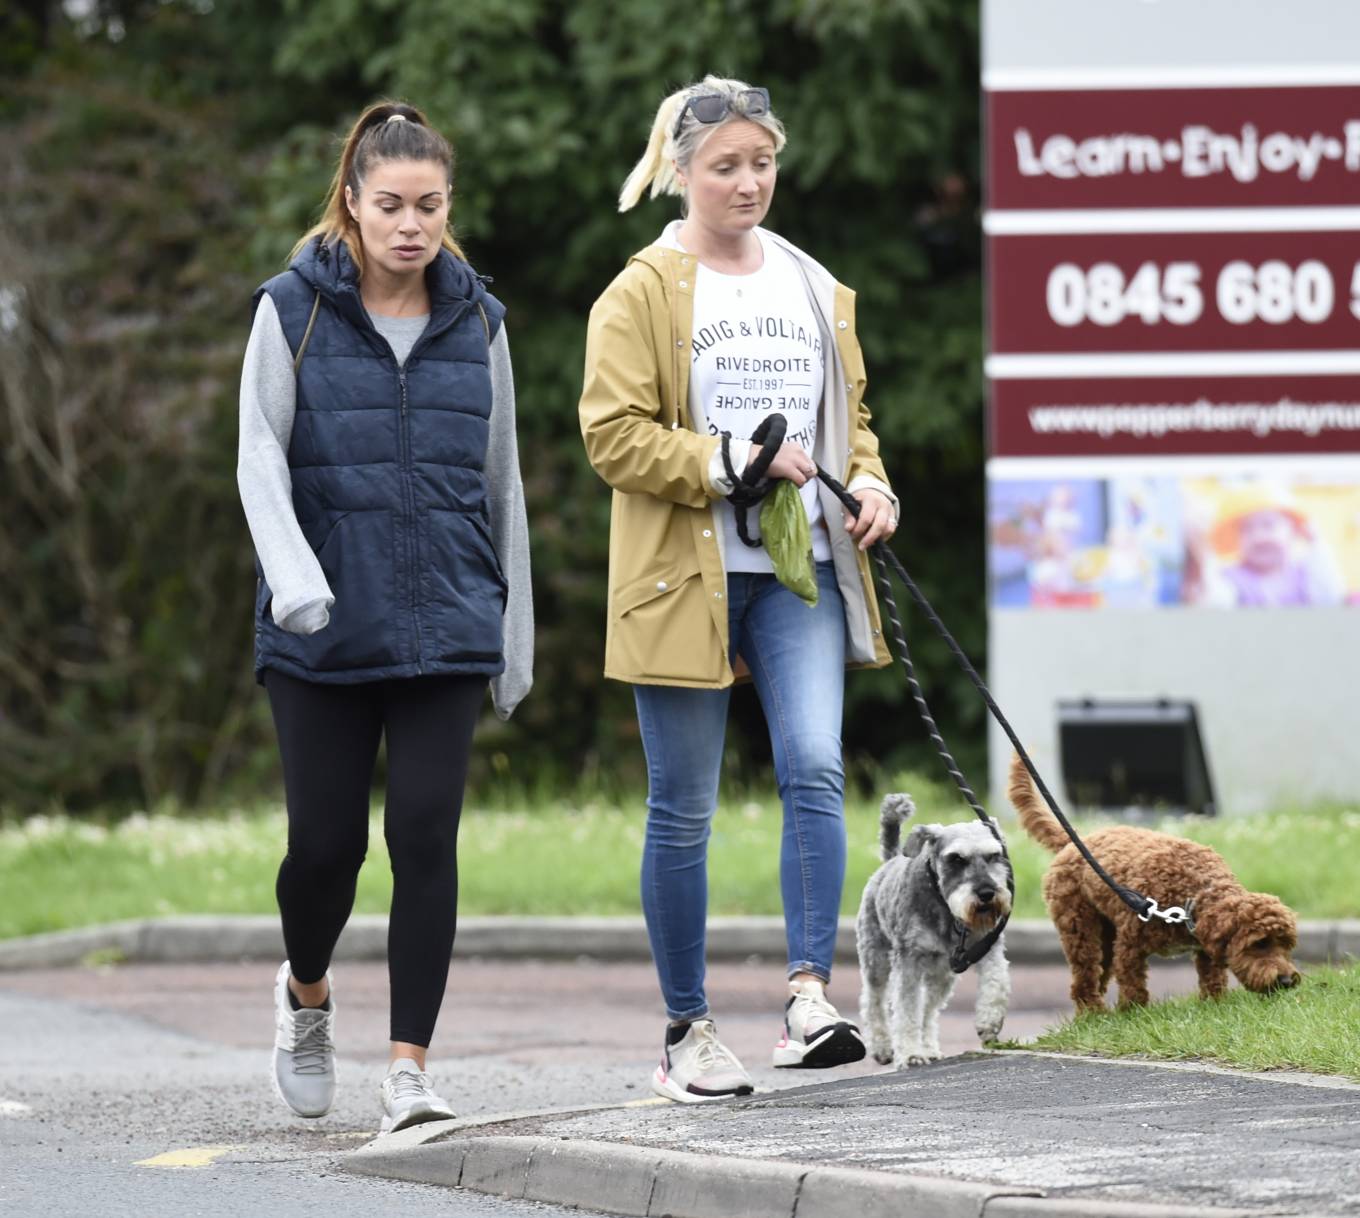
x,y
1145,907
962,956
751,485
749,488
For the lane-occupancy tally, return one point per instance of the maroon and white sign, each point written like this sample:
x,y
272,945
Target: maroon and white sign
x,y
1119,148
1173,273
1175,291
1159,416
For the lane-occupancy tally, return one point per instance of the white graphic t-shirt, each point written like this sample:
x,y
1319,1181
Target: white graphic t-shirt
x,y
757,349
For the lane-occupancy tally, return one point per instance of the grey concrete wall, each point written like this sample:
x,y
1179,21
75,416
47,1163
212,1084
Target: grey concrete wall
x,y
1278,690
1165,33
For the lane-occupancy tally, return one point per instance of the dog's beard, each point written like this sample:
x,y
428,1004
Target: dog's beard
x,y
965,906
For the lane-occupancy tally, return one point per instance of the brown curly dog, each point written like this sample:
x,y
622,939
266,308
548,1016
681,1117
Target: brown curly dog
x,y
1248,933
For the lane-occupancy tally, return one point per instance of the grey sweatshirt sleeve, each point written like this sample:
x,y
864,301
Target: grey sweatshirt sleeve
x,y
509,534
302,598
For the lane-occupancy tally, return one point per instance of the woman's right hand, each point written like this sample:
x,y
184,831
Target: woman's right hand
x,y
789,462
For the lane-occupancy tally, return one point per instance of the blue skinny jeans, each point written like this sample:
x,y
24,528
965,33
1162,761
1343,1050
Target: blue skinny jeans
x,y
796,656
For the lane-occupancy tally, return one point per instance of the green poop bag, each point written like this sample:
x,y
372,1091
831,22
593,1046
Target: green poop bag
x,y
788,541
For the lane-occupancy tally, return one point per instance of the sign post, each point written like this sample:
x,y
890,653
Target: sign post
x,y
1173,272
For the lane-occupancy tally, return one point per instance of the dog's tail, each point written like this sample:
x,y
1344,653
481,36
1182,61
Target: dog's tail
x,y
1037,820
894,810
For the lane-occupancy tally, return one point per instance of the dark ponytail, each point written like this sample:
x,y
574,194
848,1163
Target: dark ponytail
x,y
386,131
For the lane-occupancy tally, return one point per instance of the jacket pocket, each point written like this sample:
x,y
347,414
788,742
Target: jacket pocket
x,y
357,553
663,581
318,532
464,601
493,561
661,627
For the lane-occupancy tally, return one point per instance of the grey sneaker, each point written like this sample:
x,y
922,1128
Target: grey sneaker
x,y
816,1035
700,1067
304,1057
409,1099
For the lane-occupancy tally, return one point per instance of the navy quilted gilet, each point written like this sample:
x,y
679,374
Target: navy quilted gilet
x,y
388,483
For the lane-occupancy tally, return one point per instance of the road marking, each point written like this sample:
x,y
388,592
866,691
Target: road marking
x,y
12,1108
193,1156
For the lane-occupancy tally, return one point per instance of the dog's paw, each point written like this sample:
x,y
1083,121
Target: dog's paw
x,y
883,1059
916,1059
988,1032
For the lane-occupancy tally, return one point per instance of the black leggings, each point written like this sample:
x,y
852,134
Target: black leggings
x,y
328,738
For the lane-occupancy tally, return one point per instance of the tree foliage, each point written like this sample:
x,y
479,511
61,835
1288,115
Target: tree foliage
x,y
160,160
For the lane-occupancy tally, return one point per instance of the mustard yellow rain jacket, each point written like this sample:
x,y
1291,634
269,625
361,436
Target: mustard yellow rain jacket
x,y
667,615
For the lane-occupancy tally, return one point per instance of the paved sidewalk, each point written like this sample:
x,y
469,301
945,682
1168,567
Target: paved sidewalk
x,y
1013,1135
971,1135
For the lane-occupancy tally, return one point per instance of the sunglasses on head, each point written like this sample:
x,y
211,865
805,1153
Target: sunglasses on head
x,y
710,108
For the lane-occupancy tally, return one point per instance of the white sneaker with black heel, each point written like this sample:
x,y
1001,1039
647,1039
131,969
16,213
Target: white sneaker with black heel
x,y
816,1036
408,1098
697,1066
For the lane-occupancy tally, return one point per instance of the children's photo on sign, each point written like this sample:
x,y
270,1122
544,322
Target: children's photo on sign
x,y
1224,542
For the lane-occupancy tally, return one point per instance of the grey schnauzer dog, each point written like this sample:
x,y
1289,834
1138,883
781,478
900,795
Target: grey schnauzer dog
x,y
945,881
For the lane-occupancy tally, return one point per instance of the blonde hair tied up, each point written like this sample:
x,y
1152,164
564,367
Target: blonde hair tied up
x,y
657,164
665,151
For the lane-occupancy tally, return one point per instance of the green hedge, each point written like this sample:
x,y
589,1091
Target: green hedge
x,y
159,161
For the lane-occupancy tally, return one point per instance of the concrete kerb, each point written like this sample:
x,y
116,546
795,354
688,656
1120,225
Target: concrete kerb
x,y
648,1182
645,1182
209,938
487,1154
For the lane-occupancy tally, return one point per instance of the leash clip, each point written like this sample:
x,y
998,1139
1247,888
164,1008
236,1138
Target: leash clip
x,y
1173,915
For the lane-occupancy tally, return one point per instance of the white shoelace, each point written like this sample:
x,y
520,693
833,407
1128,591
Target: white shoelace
x,y
408,1085
709,1051
816,1008
311,1044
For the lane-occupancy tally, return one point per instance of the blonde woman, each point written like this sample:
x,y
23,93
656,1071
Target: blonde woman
x,y
380,479
703,334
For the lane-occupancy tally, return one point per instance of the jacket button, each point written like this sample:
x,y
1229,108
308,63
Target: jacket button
x,y
679,342
661,585
849,388
717,596
708,532
684,283
840,325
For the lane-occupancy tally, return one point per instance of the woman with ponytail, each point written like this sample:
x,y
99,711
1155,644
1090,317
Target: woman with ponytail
x,y
716,325
379,472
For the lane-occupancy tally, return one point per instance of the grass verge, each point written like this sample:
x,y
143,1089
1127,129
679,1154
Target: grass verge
x,y
560,855
1308,1028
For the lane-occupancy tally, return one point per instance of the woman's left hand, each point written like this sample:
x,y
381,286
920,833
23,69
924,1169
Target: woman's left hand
x,y
876,520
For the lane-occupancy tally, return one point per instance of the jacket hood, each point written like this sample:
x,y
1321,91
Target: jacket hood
x,y
329,269
652,256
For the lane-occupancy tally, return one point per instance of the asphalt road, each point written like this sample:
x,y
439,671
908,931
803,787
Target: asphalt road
x,y
104,1072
